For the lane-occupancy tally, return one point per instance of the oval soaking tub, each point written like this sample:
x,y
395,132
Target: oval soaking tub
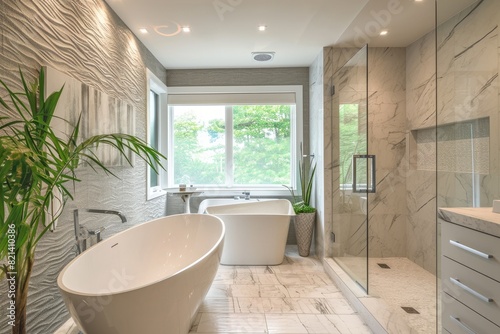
x,y
256,232
150,278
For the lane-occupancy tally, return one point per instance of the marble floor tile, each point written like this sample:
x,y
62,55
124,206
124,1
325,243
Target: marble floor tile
x,y
231,323
224,277
245,291
265,279
340,306
313,324
220,291
320,278
294,279
273,291
265,305
217,305
264,269
314,291
297,269
284,323
248,278
245,278
312,305
345,324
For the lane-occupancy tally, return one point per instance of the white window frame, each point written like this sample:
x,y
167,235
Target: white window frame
x,y
157,86
296,120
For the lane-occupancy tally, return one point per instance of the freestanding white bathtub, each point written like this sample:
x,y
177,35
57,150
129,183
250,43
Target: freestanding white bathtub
x,y
256,232
150,278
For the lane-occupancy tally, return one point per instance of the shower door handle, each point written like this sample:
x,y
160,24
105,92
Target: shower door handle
x,y
371,181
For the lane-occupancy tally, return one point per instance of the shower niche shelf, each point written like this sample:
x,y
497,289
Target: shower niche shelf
x,y
462,147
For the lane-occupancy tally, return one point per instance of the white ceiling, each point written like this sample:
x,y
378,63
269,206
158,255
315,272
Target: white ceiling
x,y
224,32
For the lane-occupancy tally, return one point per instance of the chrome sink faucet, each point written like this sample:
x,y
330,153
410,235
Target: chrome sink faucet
x,y
247,195
82,234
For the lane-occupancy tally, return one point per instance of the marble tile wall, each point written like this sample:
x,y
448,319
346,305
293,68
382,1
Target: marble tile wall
x,y
468,88
316,144
421,152
387,140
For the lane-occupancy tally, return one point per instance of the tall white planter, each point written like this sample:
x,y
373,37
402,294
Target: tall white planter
x,y
304,227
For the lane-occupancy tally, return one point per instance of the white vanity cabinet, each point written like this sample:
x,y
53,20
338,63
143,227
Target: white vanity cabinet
x,y
470,270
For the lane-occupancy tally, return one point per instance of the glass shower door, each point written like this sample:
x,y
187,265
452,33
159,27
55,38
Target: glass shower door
x,y
354,177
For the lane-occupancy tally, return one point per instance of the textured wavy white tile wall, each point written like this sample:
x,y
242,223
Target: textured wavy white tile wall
x,y
87,41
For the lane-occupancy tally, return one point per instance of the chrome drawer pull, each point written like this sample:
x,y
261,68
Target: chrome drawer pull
x,y
462,325
470,290
470,250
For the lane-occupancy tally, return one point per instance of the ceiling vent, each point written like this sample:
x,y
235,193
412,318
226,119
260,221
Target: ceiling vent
x,y
262,56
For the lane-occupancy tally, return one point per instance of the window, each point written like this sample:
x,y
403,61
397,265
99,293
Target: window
x,y
156,120
234,137
154,116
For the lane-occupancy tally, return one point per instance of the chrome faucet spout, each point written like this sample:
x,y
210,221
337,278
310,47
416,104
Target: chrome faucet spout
x,y
107,212
82,233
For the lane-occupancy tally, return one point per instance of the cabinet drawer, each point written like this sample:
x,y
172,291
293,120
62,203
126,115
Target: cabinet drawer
x,y
472,249
459,319
480,293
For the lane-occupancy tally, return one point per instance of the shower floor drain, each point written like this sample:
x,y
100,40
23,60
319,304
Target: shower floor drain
x,y
383,265
410,310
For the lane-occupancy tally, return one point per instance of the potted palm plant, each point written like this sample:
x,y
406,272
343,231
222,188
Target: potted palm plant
x,y
37,165
305,213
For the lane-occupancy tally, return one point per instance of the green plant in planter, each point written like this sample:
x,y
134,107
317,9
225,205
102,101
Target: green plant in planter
x,y
307,170
36,167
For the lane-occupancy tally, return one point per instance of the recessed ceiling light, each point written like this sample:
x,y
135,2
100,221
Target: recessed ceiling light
x,y
383,32
143,30
186,29
262,27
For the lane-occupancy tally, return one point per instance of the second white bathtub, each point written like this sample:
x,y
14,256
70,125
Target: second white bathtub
x,y
256,232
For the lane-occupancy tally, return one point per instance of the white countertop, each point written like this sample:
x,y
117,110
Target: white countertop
x,y
480,219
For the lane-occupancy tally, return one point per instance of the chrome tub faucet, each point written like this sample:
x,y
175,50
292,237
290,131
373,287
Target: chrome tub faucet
x,y
82,234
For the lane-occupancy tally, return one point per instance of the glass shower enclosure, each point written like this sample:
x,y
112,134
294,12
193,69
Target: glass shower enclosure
x,y
353,178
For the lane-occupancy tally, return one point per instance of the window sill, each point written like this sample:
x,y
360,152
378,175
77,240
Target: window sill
x,y
260,192
152,194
